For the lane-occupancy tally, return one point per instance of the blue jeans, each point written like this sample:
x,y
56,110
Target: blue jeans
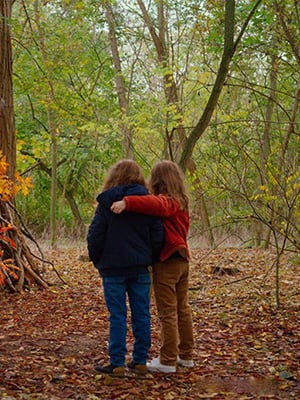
x,y
138,290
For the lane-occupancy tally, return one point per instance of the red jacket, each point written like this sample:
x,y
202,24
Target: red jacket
x,y
176,222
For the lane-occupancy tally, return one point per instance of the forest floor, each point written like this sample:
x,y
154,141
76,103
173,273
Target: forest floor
x,y
245,347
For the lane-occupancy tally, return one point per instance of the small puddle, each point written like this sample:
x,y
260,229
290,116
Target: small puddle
x,y
260,386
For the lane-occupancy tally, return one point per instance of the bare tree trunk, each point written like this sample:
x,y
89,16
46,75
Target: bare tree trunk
x,y
53,204
52,128
292,124
69,195
291,35
266,139
7,119
176,138
120,87
230,47
175,144
201,208
286,163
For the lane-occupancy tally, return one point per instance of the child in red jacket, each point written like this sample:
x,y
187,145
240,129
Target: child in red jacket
x,y
170,276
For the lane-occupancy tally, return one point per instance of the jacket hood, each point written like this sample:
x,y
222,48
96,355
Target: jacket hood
x,y
117,193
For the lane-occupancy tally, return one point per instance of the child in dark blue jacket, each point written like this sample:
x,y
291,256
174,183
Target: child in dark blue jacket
x,y
122,247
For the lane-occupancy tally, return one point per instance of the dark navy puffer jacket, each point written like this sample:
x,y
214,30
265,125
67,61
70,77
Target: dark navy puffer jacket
x,y
123,244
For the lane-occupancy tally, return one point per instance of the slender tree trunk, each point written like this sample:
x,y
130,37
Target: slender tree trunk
x,y
120,86
201,210
283,10
69,195
53,204
266,138
52,128
175,142
230,47
176,138
292,125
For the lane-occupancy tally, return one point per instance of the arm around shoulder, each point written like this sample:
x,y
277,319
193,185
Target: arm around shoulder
x,y
161,205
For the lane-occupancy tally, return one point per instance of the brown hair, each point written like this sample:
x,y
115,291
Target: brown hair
x,y
124,172
167,178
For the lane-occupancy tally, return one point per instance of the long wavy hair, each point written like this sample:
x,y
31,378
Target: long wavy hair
x,y
124,172
167,178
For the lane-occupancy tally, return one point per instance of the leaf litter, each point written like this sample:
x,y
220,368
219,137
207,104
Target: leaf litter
x,y
245,347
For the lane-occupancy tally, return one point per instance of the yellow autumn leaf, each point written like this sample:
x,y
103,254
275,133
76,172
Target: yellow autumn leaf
x,y
23,184
3,164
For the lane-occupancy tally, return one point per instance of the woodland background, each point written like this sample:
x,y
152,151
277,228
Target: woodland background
x,y
212,85
96,81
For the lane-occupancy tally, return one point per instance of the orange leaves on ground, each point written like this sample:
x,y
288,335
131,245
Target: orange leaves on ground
x,y
244,348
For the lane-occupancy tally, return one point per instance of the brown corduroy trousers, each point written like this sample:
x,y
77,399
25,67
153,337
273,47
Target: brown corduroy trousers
x,y
170,285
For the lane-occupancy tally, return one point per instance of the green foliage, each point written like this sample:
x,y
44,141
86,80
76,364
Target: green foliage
x,y
71,75
78,76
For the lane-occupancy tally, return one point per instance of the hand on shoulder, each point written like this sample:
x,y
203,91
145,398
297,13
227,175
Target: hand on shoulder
x,y
118,206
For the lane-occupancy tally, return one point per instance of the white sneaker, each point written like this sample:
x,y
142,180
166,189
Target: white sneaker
x,y
156,366
185,363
